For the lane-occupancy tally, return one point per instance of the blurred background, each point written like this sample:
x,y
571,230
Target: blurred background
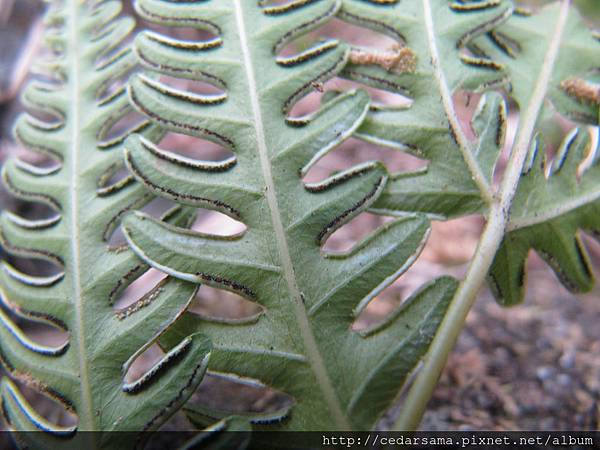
x,y
531,367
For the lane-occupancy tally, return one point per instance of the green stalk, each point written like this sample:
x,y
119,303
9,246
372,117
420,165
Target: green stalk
x,y
498,219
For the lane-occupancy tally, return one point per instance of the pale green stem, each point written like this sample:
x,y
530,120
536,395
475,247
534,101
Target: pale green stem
x,y
497,220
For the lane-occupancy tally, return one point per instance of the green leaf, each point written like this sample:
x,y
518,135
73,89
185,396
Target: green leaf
x,y
553,204
303,343
436,32
86,374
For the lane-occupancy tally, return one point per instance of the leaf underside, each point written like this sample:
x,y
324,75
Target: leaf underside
x,y
86,374
554,204
549,213
555,201
302,343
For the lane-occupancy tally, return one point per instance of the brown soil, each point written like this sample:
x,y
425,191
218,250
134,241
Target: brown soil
x,y
531,367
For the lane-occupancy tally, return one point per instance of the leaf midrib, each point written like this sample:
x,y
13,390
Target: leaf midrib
x,y
86,417
314,356
440,79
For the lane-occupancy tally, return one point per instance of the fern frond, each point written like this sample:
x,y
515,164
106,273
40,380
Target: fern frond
x,y
437,33
302,343
554,203
86,375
